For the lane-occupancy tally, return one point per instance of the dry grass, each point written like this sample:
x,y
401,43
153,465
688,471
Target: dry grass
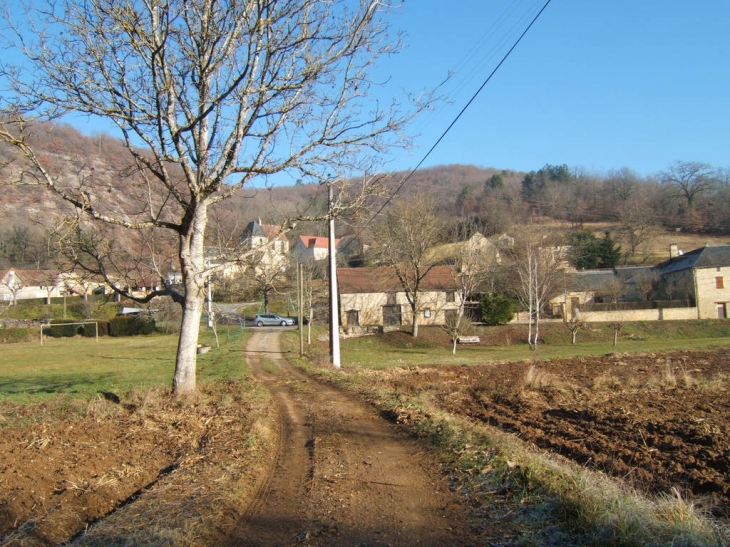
x,y
199,502
558,502
535,378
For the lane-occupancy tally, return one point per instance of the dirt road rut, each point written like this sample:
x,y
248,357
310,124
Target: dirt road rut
x,y
342,474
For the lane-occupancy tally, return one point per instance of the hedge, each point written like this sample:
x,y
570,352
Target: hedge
x,y
131,325
9,335
61,329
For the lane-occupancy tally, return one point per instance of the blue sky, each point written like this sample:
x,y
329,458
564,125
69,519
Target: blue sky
x,y
597,84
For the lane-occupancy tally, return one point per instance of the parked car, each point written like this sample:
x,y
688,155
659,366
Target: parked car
x,y
270,319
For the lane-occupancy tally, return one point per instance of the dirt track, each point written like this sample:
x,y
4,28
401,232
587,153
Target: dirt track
x,y
339,473
344,475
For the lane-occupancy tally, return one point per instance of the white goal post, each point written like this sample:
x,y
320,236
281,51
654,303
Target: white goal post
x,y
95,323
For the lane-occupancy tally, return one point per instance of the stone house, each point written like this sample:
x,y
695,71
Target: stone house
x,y
315,248
312,248
374,297
28,284
271,245
701,276
693,285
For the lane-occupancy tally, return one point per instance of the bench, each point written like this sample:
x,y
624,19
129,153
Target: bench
x,y
468,340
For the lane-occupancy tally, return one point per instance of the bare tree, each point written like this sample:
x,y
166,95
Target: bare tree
x,y
407,231
647,283
611,291
690,179
264,272
456,328
475,265
574,325
637,225
537,261
207,96
616,327
313,291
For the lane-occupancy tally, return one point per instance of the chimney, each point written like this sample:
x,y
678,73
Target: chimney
x,y
673,250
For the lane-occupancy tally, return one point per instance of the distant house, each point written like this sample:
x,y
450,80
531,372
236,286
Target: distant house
x,y
576,289
257,235
27,284
312,248
374,297
271,245
702,276
693,285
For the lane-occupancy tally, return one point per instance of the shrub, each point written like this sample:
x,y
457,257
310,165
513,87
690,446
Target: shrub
x,y
17,335
131,326
103,327
60,328
496,309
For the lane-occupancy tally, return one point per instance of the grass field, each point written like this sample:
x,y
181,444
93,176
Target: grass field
x,y
507,343
81,366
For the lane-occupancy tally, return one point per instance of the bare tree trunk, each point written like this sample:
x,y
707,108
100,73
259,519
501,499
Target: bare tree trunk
x,y
184,379
192,261
414,309
309,326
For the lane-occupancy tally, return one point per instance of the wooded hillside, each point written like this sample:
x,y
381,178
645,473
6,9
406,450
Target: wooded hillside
x,y
688,203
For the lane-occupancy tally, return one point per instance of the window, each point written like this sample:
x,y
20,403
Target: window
x,y
719,282
427,313
451,296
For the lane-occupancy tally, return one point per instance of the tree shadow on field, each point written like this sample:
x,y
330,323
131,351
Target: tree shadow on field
x,y
58,384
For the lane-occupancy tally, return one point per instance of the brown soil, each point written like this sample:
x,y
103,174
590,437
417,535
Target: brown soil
x,y
658,421
339,474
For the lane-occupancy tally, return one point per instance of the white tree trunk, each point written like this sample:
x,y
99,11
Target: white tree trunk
x,y
192,262
184,381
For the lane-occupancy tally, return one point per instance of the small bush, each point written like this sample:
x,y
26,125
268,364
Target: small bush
x,y
8,336
496,309
103,327
131,326
61,328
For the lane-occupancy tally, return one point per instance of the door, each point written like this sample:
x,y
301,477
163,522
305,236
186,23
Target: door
x,y
721,310
392,315
353,318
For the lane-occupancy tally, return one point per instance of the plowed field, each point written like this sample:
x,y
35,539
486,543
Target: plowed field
x,y
658,421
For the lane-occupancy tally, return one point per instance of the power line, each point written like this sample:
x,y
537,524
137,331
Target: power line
x,y
468,104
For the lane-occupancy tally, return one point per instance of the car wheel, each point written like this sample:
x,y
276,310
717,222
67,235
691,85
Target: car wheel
x,y
283,323
260,324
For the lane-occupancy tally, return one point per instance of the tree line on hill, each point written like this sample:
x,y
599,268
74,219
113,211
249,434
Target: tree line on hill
x,y
688,195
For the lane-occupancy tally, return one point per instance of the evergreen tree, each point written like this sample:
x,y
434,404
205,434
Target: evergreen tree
x,y
609,252
496,309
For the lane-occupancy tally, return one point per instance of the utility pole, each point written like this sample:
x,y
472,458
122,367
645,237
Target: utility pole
x,y
334,315
300,306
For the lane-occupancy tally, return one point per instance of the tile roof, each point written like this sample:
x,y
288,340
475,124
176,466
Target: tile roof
x,y
37,278
316,242
383,279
